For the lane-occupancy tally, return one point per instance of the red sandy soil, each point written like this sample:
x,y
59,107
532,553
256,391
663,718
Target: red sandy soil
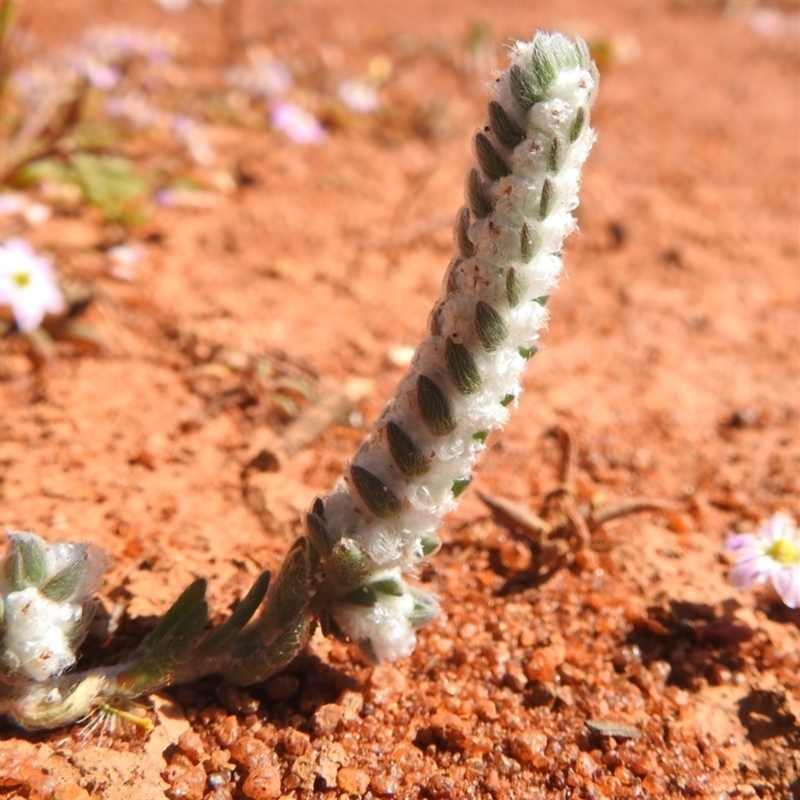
x,y
673,358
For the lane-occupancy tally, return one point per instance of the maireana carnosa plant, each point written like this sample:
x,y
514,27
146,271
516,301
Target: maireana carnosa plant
x,y
372,530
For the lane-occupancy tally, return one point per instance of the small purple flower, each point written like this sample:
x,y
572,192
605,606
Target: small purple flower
x,y
298,124
264,77
114,44
193,136
97,72
772,553
28,285
359,96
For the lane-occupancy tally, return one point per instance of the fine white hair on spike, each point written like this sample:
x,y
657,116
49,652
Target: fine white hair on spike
x,y
464,378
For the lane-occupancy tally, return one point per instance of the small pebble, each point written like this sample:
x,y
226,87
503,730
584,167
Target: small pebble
x,y
296,743
351,703
326,719
250,752
192,746
227,731
352,781
190,785
263,784
449,728
544,663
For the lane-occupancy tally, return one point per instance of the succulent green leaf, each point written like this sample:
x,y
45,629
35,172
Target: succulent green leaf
x,y
489,325
349,563
425,608
557,155
504,127
188,600
362,596
429,544
494,166
318,534
544,65
434,407
253,660
515,287
465,245
289,595
32,551
217,640
583,55
548,198
577,124
529,242
388,586
60,587
461,367
478,197
12,570
408,457
422,614
377,496
165,654
524,88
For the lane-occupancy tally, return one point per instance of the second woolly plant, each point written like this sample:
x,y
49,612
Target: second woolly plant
x,y
368,535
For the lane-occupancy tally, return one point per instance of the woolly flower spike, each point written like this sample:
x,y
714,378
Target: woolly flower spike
x,y
381,519
771,554
45,604
28,285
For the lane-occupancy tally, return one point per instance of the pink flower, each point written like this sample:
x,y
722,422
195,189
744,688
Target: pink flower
x,y
359,96
27,284
298,124
772,553
264,77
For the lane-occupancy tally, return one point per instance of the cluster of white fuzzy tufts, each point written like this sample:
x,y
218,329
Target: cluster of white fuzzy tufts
x,y
483,329
45,604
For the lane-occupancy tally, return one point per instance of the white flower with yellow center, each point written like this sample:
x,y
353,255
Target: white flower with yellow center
x,y
28,285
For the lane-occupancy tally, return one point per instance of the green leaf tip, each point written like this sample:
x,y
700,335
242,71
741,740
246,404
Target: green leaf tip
x,y
460,485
